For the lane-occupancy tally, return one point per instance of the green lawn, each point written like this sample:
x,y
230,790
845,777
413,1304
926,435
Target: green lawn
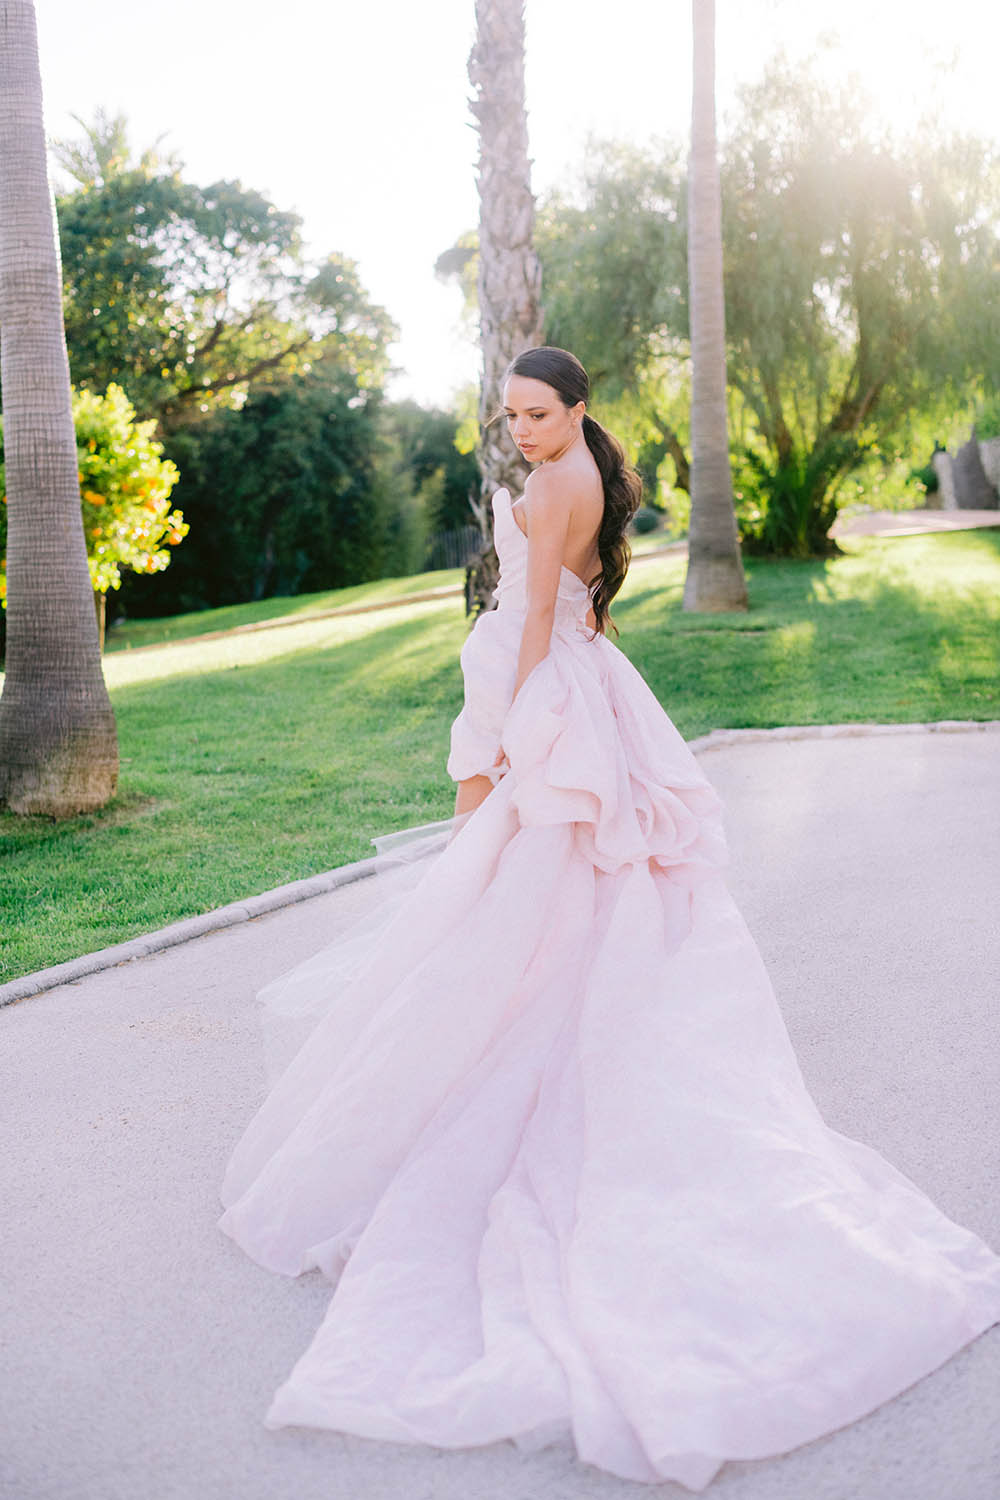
x,y
265,756
134,633
127,636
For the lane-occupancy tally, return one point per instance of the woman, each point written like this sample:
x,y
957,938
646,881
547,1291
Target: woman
x,y
546,1131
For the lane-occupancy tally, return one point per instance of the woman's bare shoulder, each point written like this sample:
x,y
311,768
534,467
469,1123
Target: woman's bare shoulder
x,y
570,487
548,485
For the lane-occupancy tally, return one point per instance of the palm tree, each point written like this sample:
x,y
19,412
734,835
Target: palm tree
x,y
58,747
509,271
715,578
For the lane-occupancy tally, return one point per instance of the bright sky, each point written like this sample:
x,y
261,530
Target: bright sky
x,y
355,116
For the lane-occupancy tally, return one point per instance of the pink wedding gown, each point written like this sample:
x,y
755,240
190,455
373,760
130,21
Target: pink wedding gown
x,y
547,1134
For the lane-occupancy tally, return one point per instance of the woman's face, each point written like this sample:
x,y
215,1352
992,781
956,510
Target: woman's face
x,y
537,420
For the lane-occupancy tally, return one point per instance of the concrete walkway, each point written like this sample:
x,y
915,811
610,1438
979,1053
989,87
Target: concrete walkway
x,y
912,522
141,1348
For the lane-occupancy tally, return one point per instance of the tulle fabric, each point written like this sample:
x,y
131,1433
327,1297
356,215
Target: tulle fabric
x,y
544,1129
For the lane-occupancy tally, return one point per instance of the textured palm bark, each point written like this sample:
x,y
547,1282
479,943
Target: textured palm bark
x,y
715,578
58,746
510,277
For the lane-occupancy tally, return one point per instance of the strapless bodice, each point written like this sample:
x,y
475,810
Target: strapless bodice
x,y
573,597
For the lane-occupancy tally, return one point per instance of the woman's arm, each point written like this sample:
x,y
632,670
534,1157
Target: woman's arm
x,y
547,510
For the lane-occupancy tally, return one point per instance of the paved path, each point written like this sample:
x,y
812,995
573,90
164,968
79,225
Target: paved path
x,y
141,1348
912,522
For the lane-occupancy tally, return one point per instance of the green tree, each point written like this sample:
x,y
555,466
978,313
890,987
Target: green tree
x,y
104,150
427,438
125,485
860,292
189,297
58,745
858,273
291,493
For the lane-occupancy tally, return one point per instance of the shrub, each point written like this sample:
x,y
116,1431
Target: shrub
x,y
987,422
125,485
646,519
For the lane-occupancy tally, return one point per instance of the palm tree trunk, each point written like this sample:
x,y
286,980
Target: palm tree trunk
x,y
58,747
510,275
715,578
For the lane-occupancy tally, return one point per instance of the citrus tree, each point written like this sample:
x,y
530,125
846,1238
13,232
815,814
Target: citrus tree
x,y
125,485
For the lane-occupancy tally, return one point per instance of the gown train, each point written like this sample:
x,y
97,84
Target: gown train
x,y
540,1121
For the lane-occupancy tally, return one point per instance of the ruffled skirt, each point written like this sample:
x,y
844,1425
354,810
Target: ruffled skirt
x,y
545,1130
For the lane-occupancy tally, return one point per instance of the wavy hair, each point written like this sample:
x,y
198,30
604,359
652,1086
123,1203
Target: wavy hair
x,y
622,485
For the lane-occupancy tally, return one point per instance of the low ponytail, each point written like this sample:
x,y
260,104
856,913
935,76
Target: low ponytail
x,y
622,496
622,485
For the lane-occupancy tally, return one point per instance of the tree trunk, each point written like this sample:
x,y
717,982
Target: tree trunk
x,y
58,747
509,271
101,609
715,578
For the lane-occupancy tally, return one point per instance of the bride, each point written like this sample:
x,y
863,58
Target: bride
x,y
542,1125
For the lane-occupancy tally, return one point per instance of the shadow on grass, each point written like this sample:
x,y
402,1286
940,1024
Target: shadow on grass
x,y
868,636
357,730
139,633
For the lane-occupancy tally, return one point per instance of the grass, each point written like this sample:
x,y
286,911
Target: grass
x,y
256,758
127,636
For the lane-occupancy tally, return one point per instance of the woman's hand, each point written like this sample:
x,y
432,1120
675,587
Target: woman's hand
x,y
500,766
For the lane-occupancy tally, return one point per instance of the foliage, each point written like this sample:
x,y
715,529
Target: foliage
x,y
797,510
615,262
297,745
926,476
313,484
646,519
852,281
302,488
987,419
860,292
428,439
614,276
277,495
125,484
191,296
125,487
104,151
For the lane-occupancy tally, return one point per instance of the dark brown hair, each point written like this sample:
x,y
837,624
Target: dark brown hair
x,y
622,485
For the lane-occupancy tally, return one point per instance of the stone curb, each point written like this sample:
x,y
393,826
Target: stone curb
x,y
330,880
718,739
191,927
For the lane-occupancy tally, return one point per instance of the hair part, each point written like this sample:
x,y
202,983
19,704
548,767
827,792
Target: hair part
x,y
622,485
